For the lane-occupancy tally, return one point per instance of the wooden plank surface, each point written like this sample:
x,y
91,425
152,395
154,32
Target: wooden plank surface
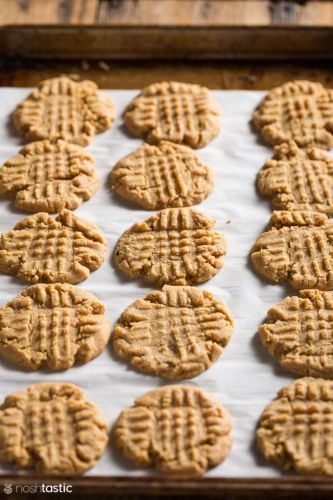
x,y
135,75
167,12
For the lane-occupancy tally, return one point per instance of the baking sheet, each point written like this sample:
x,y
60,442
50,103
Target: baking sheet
x,y
244,379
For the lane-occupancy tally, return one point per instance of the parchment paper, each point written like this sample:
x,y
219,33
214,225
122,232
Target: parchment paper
x,y
245,378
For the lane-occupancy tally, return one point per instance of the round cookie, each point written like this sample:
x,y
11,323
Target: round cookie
x,y
298,247
162,176
61,108
177,429
175,333
295,431
299,333
298,110
51,428
298,179
176,246
49,177
172,111
53,325
42,249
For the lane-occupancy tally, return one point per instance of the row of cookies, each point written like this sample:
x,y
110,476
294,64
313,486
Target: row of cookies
x,y
52,428
296,430
37,250
180,331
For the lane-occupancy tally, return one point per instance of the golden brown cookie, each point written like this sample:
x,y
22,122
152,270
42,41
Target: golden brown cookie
x,y
296,430
51,428
176,112
42,249
298,179
162,176
61,108
297,248
177,429
176,246
53,325
298,110
48,177
175,333
299,333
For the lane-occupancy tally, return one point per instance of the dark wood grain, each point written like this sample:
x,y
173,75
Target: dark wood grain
x,y
171,12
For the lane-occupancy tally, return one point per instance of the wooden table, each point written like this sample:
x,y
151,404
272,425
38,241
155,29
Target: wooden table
x,y
38,39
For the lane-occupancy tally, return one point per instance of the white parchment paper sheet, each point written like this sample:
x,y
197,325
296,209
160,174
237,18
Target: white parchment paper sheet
x,y
245,379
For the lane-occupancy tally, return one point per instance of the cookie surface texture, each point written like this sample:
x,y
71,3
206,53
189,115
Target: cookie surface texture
x,y
298,179
175,333
53,325
295,431
162,176
176,429
298,110
176,246
49,177
299,333
298,248
61,108
176,112
51,428
41,249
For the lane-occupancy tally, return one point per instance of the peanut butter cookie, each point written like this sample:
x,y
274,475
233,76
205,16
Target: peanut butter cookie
x,y
176,246
49,177
177,429
175,333
298,179
298,110
298,248
54,326
51,428
296,430
172,111
162,176
43,249
61,108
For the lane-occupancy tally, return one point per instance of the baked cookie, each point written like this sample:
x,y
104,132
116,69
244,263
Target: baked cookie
x,y
298,110
299,333
49,177
176,246
42,249
297,248
54,326
175,333
64,109
162,176
176,112
295,431
51,428
298,179
177,429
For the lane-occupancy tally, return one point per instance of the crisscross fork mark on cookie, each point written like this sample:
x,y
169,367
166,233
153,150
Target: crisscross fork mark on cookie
x,y
64,109
175,333
177,429
299,333
52,428
175,246
298,110
47,176
166,175
43,249
297,248
54,326
296,429
176,112
298,179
